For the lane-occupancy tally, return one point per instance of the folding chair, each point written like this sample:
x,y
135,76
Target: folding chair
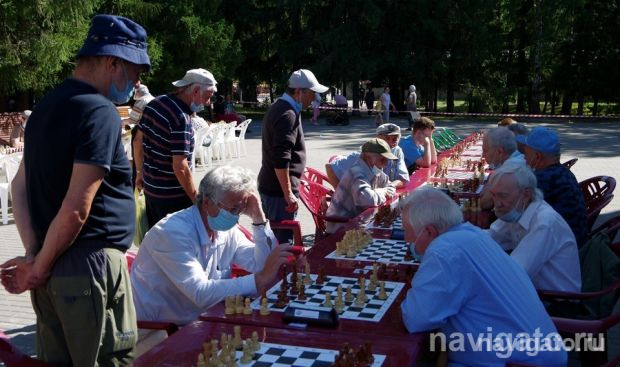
x,y
598,193
10,164
315,198
570,163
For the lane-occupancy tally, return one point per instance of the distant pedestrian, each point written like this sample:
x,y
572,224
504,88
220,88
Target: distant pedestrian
x,y
386,101
369,98
316,104
412,100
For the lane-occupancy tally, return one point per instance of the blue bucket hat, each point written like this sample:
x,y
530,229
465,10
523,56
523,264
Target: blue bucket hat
x,y
112,35
541,139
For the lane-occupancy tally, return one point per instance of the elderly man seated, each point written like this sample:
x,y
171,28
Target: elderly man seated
x,y
540,239
558,184
364,184
499,146
419,149
183,265
468,287
396,170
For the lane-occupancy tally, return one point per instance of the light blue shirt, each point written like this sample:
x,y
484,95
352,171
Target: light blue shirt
x,y
411,151
467,284
292,102
395,169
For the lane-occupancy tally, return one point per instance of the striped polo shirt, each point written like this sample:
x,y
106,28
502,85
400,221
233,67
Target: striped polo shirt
x,y
167,131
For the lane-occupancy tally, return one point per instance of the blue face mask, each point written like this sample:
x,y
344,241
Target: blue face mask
x,y
123,96
513,215
196,107
414,253
224,220
376,170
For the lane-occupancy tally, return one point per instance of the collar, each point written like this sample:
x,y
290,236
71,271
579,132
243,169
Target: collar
x,y
292,102
203,236
526,218
179,102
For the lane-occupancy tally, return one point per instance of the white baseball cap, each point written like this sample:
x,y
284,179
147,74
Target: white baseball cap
x,y
198,76
303,78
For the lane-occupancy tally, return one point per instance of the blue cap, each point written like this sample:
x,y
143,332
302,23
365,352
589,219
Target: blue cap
x,y
541,139
112,35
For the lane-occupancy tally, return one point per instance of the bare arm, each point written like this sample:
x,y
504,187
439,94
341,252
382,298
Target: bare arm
x,y
331,175
138,158
284,180
426,160
183,173
20,274
20,212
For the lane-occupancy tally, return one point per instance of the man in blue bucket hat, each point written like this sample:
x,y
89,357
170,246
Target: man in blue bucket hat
x,y
74,207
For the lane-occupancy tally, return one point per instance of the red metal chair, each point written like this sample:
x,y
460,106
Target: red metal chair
x,y
598,193
315,197
570,163
314,175
13,357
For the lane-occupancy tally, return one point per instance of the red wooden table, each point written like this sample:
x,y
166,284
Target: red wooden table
x,y
183,347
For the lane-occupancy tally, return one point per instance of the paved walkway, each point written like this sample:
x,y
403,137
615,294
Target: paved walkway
x,y
597,145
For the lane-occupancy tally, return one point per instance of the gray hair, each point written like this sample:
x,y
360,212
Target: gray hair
x,y
429,206
521,174
501,137
222,180
188,89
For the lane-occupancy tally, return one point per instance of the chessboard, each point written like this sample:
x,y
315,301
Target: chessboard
x,y
396,224
280,355
379,250
373,308
454,175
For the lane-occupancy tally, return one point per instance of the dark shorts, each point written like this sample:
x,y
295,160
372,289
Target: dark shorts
x,y
275,210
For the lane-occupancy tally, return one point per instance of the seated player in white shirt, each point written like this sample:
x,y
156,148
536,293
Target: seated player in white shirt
x,y
540,239
183,265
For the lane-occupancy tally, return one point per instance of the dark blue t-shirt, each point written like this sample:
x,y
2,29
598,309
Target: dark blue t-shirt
x,y
75,124
562,192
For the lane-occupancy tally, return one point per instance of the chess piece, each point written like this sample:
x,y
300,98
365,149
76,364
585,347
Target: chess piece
x,y
206,350
302,291
328,300
408,255
382,295
294,274
320,279
214,357
349,295
201,361
255,342
237,342
247,310
264,307
246,358
239,304
229,308
282,300
307,278
372,286
360,298
295,286
362,282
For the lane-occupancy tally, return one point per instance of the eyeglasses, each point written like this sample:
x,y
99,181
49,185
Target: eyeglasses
x,y
233,210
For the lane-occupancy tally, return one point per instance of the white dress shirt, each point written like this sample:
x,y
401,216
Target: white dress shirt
x,y
179,272
544,245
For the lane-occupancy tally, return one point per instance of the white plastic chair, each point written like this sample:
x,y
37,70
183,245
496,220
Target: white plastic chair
x,y
240,140
218,143
10,164
230,140
200,150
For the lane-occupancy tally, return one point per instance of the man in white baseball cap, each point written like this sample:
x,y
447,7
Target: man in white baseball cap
x,y
164,145
284,149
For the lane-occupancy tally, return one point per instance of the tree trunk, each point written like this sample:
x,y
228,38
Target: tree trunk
x,y
356,98
435,97
554,101
567,103
580,101
450,90
595,107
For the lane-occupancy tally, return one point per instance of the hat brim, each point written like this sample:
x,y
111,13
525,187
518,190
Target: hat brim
x,y
128,53
389,156
320,88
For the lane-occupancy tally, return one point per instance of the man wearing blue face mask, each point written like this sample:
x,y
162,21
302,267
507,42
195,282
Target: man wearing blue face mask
x,y
540,239
183,266
467,286
164,145
74,206
364,184
284,149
